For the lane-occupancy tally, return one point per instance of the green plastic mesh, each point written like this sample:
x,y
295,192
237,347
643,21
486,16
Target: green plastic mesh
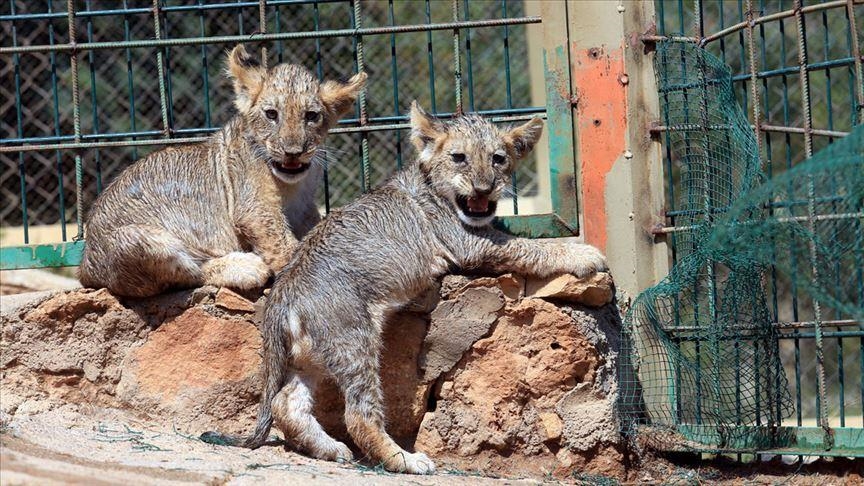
x,y
700,362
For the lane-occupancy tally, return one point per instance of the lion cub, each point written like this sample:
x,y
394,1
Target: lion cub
x,y
325,313
228,211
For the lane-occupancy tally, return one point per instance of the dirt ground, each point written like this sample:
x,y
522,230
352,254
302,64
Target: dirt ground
x,y
73,445
94,446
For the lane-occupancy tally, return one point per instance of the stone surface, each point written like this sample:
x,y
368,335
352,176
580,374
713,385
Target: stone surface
x,y
230,300
476,374
195,366
456,324
594,291
502,403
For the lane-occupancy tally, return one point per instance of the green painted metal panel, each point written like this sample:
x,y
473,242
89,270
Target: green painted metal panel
x,y
847,441
41,256
535,226
559,122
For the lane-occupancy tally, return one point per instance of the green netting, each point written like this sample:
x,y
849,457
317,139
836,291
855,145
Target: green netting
x,y
701,364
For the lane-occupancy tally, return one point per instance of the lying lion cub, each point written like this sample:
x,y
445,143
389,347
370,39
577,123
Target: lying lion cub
x,y
228,211
325,313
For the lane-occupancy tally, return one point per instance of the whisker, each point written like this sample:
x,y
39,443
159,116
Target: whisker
x,y
332,149
508,191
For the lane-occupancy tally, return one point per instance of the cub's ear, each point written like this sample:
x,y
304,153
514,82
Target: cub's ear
x,y
424,127
339,97
524,137
248,76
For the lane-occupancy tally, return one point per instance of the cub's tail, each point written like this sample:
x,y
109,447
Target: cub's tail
x,y
276,365
216,438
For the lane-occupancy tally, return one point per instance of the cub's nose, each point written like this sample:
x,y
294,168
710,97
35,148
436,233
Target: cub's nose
x,y
483,190
293,152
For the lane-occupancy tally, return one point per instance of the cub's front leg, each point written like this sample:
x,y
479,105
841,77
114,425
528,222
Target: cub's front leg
x,y
266,229
500,252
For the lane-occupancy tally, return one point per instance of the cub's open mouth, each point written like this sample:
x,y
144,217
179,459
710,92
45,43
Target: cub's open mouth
x,y
290,168
477,206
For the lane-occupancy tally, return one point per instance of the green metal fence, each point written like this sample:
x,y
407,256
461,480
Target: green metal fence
x,y
796,70
90,86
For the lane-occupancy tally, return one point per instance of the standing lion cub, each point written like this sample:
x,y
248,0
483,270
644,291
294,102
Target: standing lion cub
x,y
228,211
325,313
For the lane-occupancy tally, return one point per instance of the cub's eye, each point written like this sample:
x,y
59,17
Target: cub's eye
x,y
313,116
458,158
498,159
271,114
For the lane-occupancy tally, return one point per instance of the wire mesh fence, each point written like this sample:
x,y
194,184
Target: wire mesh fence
x,y
90,86
757,332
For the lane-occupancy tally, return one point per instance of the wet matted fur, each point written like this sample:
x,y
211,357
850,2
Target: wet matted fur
x,y
228,211
325,313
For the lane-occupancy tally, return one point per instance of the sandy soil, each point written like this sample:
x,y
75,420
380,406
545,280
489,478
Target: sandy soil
x,y
73,445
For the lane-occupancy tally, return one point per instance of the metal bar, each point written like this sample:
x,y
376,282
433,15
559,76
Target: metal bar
x,y
749,23
790,219
176,8
430,58
169,97
816,66
76,123
468,61
495,116
754,87
231,39
93,99
822,406
319,71
204,71
779,325
394,70
514,187
457,60
361,101
16,62
856,55
278,21
160,72
61,193
262,27
130,80
763,127
757,336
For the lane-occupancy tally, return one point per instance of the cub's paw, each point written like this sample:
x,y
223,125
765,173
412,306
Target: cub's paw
x,y
335,451
236,270
405,462
583,260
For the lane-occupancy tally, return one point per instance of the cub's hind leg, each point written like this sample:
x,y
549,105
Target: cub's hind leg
x,y
292,414
237,270
139,261
352,358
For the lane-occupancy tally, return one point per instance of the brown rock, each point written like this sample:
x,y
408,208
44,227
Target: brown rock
x,y
519,386
593,291
455,325
552,424
589,419
193,351
197,367
70,306
511,285
504,391
230,300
